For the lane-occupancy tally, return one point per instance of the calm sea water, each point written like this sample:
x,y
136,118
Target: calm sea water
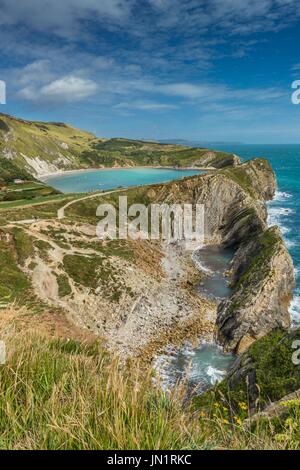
x,y
95,180
284,210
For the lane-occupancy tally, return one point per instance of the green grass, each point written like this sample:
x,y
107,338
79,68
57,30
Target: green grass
x,y
259,267
30,193
95,271
64,287
36,201
125,152
58,394
13,282
23,245
9,171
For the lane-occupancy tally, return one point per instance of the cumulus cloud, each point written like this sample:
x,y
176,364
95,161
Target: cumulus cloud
x,y
66,89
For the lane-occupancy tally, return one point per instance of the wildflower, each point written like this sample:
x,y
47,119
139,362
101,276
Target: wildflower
x,y
225,421
238,420
280,437
243,406
291,403
290,423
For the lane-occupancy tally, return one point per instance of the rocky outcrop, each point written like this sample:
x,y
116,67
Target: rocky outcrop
x,y
278,409
266,372
263,277
260,377
262,272
233,198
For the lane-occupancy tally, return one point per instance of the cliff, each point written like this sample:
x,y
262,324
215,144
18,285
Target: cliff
x,y
263,277
261,274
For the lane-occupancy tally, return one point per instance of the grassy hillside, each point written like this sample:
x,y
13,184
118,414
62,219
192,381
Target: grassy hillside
x,y
131,152
9,171
57,393
41,148
29,144
61,393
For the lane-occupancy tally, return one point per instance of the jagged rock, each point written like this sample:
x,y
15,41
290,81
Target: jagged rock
x,y
260,377
278,409
263,278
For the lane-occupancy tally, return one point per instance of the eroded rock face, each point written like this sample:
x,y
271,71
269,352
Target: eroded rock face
x,y
263,277
262,270
234,204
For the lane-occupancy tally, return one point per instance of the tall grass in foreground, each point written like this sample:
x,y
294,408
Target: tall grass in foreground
x,y
57,394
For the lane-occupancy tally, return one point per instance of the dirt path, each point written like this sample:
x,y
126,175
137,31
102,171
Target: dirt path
x,y
61,211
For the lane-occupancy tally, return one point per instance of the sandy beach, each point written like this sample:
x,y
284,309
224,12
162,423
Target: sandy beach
x,y
44,177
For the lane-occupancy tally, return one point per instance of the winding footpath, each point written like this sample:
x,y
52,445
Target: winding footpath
x,y
61,211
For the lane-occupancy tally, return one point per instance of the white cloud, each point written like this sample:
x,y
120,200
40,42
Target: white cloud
x,y
61,17
65,17
37,71
67,89
146,106
187,90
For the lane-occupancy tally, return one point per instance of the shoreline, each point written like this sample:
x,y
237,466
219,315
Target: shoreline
x,y
155,167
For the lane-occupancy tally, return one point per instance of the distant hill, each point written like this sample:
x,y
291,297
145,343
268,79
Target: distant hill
x,y
198,143
40,148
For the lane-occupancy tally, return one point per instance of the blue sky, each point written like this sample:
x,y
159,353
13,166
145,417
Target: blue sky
x,y
206,70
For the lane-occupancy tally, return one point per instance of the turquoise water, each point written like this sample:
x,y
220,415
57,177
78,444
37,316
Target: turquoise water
x,y
214,262
284,210
97,180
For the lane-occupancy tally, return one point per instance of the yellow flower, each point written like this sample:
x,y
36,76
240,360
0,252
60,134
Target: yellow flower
x,y
280,437
225,421
217,405
291,403
290,423
243,406
238,420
